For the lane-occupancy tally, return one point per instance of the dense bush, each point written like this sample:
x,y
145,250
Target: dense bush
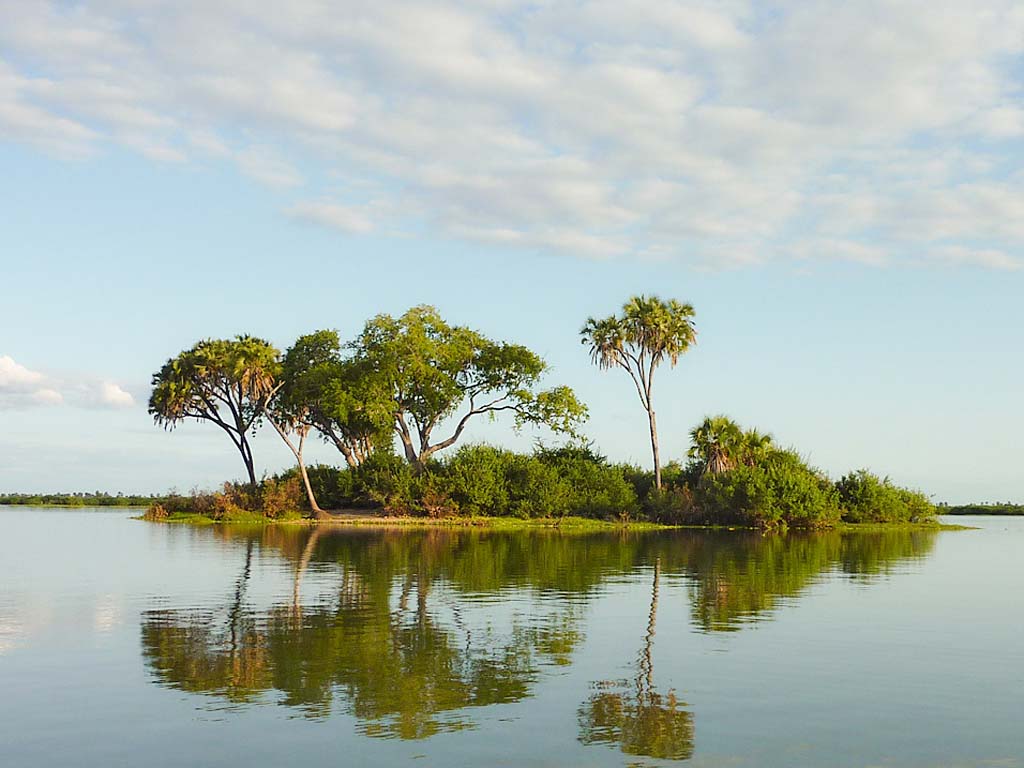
x,y
866,498
781,491
483,480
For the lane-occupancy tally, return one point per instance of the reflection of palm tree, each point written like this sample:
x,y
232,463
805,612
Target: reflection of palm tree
x,y
638,718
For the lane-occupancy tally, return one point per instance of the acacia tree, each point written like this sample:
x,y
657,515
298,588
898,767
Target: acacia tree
x,y
431,371
227,382
646,333
341,398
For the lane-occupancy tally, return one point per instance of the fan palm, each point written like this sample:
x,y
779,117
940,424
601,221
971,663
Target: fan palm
x,y
648,332
718,443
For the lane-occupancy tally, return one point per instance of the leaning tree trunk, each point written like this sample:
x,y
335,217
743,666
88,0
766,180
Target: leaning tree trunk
x,y
654,449
318,513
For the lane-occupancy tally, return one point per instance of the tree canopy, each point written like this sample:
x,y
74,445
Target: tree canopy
x,y
432,371
227,382
342,398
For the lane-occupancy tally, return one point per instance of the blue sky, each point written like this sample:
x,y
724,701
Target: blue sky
x,y
849,226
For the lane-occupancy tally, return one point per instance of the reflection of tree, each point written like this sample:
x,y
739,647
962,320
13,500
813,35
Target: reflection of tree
x,y
632,714
214,652
376,647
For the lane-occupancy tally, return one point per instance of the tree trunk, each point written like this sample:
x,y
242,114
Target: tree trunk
x,y
246,451
318,513
654,449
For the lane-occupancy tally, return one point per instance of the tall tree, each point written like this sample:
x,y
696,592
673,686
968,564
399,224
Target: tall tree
x,y
434,371
648,332
227,382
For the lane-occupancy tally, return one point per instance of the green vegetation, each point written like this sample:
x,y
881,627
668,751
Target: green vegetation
x,y
739,481
416,382
1005,508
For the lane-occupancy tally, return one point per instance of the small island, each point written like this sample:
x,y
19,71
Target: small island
x,y
417,382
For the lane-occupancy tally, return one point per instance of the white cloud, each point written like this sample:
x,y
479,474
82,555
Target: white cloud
x,y
721,132
21,387
107,394
15,377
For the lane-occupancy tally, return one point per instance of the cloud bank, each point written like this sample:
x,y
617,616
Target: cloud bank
x,y
722,133
21,387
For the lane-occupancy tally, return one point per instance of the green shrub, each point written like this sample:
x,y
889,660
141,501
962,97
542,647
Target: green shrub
x,y
672,505
782,491
595,488
476,478
866,498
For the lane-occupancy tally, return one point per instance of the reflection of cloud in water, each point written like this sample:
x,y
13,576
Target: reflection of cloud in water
x,y
107,613
18,623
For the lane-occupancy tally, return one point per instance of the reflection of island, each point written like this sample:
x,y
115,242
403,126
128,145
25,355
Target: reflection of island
x,y
737,578
417,626
632,714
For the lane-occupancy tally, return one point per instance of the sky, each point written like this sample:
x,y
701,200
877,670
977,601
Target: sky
x,y
837,188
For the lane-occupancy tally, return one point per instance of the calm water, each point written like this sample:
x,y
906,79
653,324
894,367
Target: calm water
x,y
124,643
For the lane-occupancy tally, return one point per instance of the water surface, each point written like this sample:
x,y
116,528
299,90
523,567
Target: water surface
x,y
125,643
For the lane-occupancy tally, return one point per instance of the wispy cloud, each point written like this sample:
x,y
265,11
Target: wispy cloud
x,y
692,130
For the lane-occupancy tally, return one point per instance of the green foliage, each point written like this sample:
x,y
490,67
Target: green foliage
x,y
649,329
428,371
343,399
866,498
779,492
227,382
235,375
487,481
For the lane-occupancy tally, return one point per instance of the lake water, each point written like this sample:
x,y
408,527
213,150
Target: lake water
x,y
124,643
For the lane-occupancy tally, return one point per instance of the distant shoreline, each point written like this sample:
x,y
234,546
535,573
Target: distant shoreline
x,y
1000,510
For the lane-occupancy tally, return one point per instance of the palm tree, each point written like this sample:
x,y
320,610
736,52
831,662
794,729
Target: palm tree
x,y
756,447
648,332
718,443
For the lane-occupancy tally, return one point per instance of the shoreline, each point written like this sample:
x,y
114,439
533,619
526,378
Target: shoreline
x,y
364,520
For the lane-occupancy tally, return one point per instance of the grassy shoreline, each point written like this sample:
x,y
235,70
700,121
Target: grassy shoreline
x,y
360,520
